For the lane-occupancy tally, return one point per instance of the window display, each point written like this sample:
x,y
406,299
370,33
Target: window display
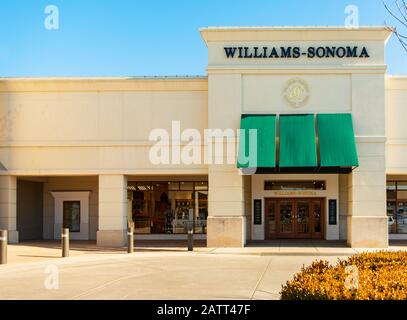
x,y
397,207
168,207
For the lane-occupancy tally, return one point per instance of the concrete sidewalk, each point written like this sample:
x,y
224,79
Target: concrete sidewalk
x,y
305,247
37,251
152,275
157,271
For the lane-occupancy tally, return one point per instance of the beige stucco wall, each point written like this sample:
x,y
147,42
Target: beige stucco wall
x,y
396,133
112,207
8,207
216,38
367,221
227,216
74,128
335,85
93,126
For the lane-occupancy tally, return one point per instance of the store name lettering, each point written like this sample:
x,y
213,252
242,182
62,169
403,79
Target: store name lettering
x,y
295,193
295,52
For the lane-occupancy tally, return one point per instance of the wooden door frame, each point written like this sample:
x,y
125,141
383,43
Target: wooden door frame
x,y
294,234
318,235
267,234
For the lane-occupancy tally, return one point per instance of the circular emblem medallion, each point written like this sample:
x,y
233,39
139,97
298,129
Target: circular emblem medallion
x,y
296,92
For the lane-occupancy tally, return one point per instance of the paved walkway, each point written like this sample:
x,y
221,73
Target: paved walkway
x,y
36,251
160,272
152,275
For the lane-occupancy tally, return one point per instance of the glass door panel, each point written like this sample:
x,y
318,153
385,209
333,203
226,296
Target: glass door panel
x,y
317,217
401,217
294,218
286,216
391,216
302,217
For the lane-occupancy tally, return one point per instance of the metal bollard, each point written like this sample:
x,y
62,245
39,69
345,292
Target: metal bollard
x,y
130,240
3,246
191,239
65,242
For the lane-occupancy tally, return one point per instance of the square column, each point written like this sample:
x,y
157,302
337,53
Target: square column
x,y
367,221
226,220
226,225
367,225
8,207
112,216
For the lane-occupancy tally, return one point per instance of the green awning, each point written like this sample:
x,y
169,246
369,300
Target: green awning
x,y
257,147
297,150
337,140
297,141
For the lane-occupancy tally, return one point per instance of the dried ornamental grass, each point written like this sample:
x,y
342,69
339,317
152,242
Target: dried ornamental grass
x,y
379,276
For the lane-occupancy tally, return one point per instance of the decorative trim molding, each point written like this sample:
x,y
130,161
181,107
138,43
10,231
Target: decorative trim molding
x,y
96,85
290,33
371,139
203,170
296,69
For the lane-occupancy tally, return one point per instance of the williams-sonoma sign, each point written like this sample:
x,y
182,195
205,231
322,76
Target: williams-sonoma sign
x,y
295,52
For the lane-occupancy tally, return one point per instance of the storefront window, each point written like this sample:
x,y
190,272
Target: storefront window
x,y
141,208
397,207
168,207
401,221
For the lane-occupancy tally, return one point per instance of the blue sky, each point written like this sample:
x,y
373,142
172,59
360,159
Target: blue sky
x,y
135,38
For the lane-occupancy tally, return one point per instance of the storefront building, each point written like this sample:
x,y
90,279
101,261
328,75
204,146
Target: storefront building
x,y
329,160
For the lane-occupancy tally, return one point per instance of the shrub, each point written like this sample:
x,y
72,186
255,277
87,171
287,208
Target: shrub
x,y
380,275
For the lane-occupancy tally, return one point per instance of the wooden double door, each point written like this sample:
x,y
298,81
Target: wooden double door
x,y
297,218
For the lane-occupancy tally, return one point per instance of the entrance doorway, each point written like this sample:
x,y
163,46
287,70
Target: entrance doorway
x,y
299,218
